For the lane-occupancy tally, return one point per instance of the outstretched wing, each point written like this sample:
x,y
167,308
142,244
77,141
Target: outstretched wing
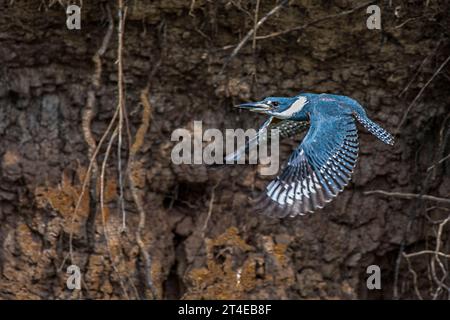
x,y
287,128
318,169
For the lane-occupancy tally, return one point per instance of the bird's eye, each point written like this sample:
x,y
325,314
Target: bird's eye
x,y
275,103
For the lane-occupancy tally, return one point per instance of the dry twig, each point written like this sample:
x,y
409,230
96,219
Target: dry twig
x,y
251,32
316,21
436,255
414,275
411,105
408,196
210,209
419,69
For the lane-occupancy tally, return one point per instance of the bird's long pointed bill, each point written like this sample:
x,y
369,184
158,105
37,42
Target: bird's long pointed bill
x,y
254,106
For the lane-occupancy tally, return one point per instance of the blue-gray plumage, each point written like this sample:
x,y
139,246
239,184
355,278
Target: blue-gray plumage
x,y
323,163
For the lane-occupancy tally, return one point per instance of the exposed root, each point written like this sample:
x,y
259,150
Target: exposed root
x,y
115,125
135,147
102,208
120,105
88,115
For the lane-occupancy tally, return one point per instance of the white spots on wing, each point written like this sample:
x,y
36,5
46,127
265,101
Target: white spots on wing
x,y
270,186
276,193
287,194
305,189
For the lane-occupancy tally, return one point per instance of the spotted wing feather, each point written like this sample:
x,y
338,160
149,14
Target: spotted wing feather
x,y
317,170
375,129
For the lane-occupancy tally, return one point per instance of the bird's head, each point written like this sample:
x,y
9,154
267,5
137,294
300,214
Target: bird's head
x,y
278,107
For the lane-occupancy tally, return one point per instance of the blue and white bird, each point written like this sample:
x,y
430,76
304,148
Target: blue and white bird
x,y
322,165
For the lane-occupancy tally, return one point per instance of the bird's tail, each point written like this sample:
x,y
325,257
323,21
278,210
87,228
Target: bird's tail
x,y
375,129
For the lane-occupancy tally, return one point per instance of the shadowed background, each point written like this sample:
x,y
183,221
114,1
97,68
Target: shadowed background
x,y
202,237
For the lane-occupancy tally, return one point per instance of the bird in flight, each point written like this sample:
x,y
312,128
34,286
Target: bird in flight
x,y
322,165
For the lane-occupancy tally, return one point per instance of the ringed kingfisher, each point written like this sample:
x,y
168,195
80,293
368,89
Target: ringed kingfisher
x,y
322,165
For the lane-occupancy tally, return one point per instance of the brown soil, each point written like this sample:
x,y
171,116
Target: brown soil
x,y
46,75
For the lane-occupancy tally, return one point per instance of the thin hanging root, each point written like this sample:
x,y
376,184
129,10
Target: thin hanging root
x,y
86,181
88,112
88,115
142,130
102,208
122,12
93,148
138,141
116,126
117,133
